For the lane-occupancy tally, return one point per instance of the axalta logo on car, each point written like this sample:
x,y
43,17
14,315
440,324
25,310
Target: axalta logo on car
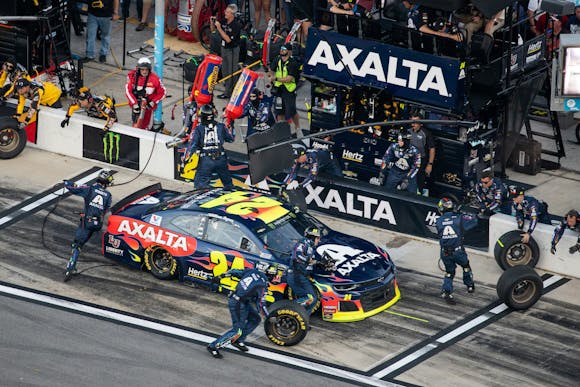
x,y
152,234
346,258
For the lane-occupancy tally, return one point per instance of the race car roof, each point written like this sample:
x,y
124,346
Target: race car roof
x,y
253,209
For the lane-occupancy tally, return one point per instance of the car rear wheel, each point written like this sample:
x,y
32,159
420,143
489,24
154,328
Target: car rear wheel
x,y
287,323
520,287
160,263
12,139
509,251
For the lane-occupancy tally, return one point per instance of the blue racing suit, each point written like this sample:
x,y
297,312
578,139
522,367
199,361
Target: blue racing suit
x,y
301,265
245,304
404,164
531,209
559,231
260,116
317,161
493,198
97,202
450,227
208,141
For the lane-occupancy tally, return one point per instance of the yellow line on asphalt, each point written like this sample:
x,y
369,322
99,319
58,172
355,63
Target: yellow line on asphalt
x,y
101,79
406,316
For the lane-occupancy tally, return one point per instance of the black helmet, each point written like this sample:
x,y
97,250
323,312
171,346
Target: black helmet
x,y
445,205
206,114
406,138
312,232
516,190
11,61
257,92
271,272
84,94
22,82
105,177
298,150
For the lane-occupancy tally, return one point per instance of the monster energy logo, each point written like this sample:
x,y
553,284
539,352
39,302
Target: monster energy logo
x,y
111,141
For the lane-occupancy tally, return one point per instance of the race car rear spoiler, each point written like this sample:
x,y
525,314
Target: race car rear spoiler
x,y
120,205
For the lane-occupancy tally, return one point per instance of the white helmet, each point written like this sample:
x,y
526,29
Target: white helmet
x,y
144,63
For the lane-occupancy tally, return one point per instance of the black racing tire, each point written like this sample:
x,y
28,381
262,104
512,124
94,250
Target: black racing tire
x,y
520,287
287,323
160,263
205,37
12,139
509,251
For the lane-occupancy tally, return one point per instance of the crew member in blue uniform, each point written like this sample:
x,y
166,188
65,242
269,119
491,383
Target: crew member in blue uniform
x,y
259,112
97,203
301,266
246,303
492,194
527,207
208,140
317,161
450,226
403,161
571,222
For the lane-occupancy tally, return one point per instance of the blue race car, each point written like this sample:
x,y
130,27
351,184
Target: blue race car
x,y
198,235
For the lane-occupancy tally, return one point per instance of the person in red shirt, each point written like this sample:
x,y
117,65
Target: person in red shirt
x,y
144,91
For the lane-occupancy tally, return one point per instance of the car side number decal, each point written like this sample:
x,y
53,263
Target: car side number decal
x,y
239,203
221,266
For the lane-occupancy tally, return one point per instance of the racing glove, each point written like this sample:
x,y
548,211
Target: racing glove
x,y
404,184
64,122
293,185
574,248
151,105
381,178
520,224
136,109
22,124
553,249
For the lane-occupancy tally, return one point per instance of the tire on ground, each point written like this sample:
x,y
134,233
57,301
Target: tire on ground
x,y
287,323
509,251
160,263
12,139
520,287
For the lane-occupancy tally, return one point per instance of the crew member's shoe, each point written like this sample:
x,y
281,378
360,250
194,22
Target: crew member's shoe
x,y
102,58
69,273
141,27
448,297
471,289
214,352
241,346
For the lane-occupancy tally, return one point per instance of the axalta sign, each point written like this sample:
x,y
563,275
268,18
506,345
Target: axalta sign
x,y
130,230
405,73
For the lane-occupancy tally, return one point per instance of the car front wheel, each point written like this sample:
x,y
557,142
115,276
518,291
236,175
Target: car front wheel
x,y
287,323
160,263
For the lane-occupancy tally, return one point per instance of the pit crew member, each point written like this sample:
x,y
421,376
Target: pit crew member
x,y
301,265
97,203
571,220
491,194
102,107
527,207
246,303
450,226
144,91
403,161
316,161
45,94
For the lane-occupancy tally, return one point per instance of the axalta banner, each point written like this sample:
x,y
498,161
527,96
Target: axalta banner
x,y
407,74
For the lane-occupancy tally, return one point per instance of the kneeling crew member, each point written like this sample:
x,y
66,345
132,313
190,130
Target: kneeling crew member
x,y
450,226
102,107
208,140
317,161
571,221
246,303
527,207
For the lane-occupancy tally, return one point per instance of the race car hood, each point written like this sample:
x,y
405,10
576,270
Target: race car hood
x,y
356,260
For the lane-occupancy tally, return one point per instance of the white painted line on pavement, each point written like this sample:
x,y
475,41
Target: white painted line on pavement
x,y
467,326
162,328
47,198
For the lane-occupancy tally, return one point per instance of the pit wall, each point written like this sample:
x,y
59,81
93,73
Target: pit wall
x,y
71,139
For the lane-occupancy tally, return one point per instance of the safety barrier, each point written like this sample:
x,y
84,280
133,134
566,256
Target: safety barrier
x,y
562,262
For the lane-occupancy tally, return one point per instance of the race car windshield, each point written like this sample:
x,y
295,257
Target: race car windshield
x,y
281,240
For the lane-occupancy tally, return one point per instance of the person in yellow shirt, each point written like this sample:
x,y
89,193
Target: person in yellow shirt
x,y
10,73
102,107
45,94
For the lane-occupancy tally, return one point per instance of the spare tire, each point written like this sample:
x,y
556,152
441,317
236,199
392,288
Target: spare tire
x,y
287,323
12,139
509,250
520,287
